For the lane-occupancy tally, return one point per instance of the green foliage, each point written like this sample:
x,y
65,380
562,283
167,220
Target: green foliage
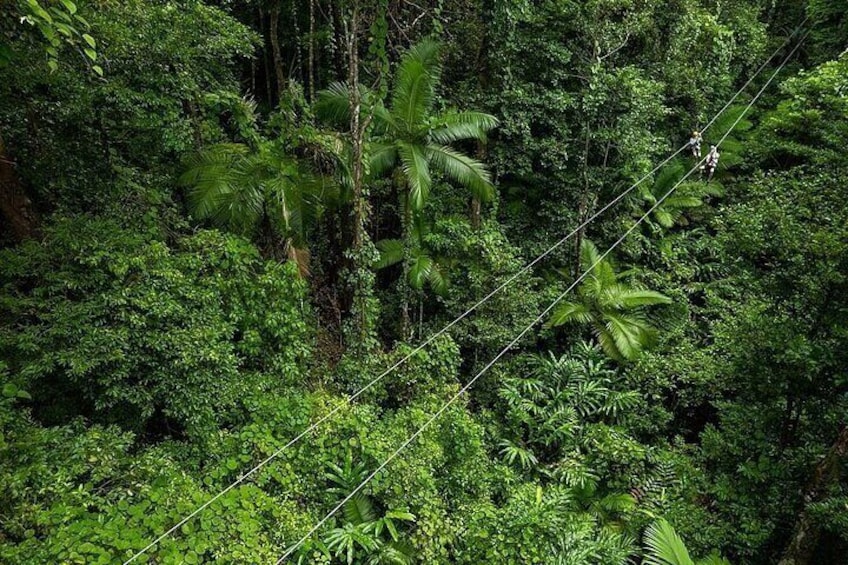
x,y
611,307
242,190
664,547
413,138
128,326
378,540
539,525
687,195
146,364
60,24
78,139
423,266
809,126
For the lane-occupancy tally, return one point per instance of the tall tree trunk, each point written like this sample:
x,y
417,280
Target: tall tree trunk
x,y
583,206
805,536
363,285
312,50
404,288
274,37
266,61
338,39
486,20
17,208
357,132
297,65
476,205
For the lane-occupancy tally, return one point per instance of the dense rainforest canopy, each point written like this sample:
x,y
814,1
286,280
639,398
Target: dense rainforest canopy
x,y
224,222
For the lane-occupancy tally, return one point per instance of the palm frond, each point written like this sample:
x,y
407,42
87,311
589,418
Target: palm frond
x,y
601,267
571,312
285,203
333,103
633,298
713,560
359,510
419,271
457,126
417,172
414,91
383,158
664,546
617,503
668,177
627,335
391,253
463,169
438,279
223,188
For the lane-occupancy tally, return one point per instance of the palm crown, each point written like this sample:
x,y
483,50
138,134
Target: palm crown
x,y
410,137
613,308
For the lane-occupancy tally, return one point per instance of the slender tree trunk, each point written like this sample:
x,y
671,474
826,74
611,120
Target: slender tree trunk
x,y
297,66
805,536
312,50
357,132
476,205
359,123
404,288
274,37
583,206
338,38
266,61
17,209
486,13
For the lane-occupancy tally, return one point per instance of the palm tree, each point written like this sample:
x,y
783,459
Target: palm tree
x,y
613,308
665,547
257,190
410,138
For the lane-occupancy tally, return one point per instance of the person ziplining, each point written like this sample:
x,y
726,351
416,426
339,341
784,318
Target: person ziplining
x,y
711,162
695,144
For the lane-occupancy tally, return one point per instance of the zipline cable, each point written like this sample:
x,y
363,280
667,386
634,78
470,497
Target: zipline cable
x,y
353,396
532,324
